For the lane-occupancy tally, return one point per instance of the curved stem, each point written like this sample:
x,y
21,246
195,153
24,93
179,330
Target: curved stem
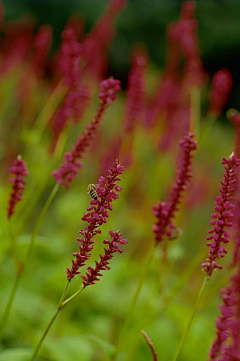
x,y
132,306
206,279
21,267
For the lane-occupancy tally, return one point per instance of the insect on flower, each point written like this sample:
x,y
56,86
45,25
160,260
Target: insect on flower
x,y
92,191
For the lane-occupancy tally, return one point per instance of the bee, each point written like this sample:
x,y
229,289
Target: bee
x,y
92,191
176,233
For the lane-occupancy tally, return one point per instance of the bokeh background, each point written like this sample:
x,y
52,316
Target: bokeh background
x,y
89,327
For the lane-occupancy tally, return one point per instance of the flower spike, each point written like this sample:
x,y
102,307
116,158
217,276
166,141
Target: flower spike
x,y
19,171
222,218
96,215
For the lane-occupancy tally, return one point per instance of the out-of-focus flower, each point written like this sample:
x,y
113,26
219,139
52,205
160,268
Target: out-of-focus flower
x,y
98,41
226,346
67,170
165,212
136,90
19,171
42,45
96,215
220,89
222,218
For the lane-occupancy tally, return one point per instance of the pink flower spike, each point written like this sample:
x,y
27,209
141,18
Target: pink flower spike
x,y
20,172
221,87
70,167
223,216
165,212
95,217
93,274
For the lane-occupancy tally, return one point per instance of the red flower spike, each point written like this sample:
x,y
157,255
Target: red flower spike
x,y
97,215
226,346
93,274
221,87
165,212
67,170
42,45
19,171
223,216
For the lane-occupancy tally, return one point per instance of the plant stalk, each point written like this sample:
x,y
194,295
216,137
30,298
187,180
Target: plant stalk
x,y
206,279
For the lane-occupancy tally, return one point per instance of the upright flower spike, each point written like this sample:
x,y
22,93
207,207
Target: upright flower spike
x,y
42,45
67,170
220,89
19,171
165,212
226,346
222,218
136,90
96,215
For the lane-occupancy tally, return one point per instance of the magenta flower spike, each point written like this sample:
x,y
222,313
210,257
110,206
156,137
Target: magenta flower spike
x,y
67,170
19,172
165,212
226,346
136,91
222,218
93,274
96,215
221,87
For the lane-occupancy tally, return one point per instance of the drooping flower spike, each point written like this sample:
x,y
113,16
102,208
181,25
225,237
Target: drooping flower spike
x,y
97,214
19,172
222,218
67,170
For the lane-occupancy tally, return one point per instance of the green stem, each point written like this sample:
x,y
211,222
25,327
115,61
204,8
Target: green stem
x,y
9,305
13,244
206,279
132,306
61,304
22,266
40,219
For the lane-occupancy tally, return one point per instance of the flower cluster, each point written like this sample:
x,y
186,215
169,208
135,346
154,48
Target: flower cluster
x,y
226,346
165,212
222,218
42,45
98,41
135,90
67,170
221,87
93,274
77,98
96,215
19,171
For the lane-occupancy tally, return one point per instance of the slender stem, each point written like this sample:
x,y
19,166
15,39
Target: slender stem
x,y
132,306
9,305
22,266
61,304
40,219
206,279
13,244
72,297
